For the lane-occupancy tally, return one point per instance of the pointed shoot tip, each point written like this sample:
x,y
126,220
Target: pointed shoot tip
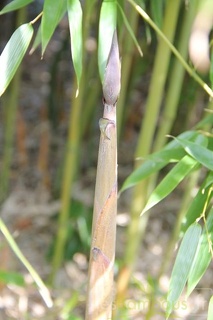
x,y
111,82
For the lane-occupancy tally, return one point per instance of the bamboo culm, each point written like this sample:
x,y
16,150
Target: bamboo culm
x,y
100,294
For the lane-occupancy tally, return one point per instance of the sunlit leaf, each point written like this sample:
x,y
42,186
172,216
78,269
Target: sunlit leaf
x,y
203,256
198,152
14,5
211,68
172,152
170,181
196,207
8,277
152,164
182,265
107,26
13,54
189,135
210,309
53,11
75,24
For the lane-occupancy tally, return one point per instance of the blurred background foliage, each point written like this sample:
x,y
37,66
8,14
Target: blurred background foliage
x,y
49,137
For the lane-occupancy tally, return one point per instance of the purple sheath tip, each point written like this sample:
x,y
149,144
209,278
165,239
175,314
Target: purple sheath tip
x,y
111,83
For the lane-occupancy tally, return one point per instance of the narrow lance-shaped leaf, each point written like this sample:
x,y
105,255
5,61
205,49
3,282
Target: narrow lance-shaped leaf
x,y
189,135
107,26
172,152
170,182
152,164
13,54
211,68
52,12
75,24
196,207
15,5
210,309
128,26
203,257
198,152
182,265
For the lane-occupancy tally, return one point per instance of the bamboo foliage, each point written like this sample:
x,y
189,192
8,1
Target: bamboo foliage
x,y
100,283
186,154
137,226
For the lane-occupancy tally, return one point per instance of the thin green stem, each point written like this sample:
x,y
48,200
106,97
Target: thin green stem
x,y
159,74
67,183
10,102
191,71
42,288
138,224
71,161
167,119
176,80
127,59
36,18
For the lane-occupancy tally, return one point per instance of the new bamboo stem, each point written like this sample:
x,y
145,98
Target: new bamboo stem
x,y
100,293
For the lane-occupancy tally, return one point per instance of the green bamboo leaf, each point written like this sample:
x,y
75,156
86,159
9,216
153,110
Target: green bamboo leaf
x,y
152,164
13,54
182,265
170,182
211,67
107,26
53,11
126,22
198,152
210,309
8,277
203,256
189,135
196,207
15,5
75,24
172,152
